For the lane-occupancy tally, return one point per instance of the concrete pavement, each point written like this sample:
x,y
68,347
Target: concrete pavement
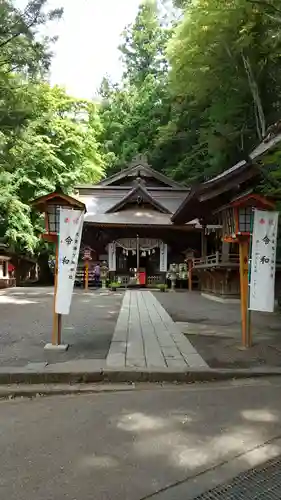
x,y
214,329
128,337
26,325
163,443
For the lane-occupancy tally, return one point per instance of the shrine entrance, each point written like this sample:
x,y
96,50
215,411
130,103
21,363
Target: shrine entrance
x,y
139,261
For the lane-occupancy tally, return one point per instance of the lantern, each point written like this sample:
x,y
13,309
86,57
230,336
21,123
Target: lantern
x,y
236,217
87,254
104,273
50,205
236,227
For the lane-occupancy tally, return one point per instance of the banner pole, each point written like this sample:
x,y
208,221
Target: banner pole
x,y
249,312
138,260
243,258
56,321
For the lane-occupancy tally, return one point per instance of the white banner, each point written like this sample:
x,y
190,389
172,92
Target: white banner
x,y
112,256
71,225
163,257
264,242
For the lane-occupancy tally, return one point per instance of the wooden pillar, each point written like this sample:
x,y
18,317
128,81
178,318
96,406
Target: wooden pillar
x,y
190,262
243,257
56,334
86,284
225,251
203,243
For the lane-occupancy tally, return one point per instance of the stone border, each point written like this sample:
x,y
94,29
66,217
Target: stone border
x,y
54,376
221,300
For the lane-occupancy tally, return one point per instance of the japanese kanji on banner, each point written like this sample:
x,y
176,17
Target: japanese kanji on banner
x,y
71,225
264,242
112,256
163,257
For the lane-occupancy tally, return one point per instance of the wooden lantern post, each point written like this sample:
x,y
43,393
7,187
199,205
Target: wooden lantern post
x,y
236,227
243,268
50,205
87,258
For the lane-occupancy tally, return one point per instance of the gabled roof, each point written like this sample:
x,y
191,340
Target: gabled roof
x,y
135,217
138,191
139,168
208,196
57,197
244,199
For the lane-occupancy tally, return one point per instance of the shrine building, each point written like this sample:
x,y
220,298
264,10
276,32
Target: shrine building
x,y
128,224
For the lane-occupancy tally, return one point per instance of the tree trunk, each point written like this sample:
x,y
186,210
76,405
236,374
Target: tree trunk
x,y
259,114
16,261
46,276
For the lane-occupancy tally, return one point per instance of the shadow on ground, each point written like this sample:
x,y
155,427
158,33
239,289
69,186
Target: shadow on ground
x,y
131,445
26,325
214,330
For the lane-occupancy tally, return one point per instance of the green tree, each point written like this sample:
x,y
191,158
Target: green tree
x,y
21,47
57,146
143,47
46,137
224,85
133,111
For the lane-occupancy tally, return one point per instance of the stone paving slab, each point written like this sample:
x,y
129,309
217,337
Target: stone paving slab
x,y
146,336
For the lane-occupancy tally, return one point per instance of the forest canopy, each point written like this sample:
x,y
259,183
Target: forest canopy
x,y
200,87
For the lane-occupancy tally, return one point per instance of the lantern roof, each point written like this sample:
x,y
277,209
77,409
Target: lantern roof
x,y
57,198
253,199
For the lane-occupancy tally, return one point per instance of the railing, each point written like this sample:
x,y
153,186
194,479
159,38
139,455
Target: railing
x,y
7,282
216,259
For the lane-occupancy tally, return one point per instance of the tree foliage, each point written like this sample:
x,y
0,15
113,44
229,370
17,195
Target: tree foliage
x,y
133,111
198,104
224,59
46,137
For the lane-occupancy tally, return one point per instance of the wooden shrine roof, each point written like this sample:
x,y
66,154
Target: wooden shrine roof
x,y
138,195
203,199
134,217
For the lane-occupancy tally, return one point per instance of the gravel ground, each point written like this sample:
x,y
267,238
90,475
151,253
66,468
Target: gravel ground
x,y
214,330
26,325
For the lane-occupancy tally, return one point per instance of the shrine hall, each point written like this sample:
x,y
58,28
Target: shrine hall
x,y
128,225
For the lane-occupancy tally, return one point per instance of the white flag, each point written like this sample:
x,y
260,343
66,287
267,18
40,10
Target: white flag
x,y
71,225
163,257
112,256
264,241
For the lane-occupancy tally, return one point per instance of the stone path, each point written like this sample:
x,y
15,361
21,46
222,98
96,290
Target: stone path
x,y
145,336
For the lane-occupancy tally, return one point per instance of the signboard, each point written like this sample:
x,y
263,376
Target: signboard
x,y
163,257
262,279
71,225
112,256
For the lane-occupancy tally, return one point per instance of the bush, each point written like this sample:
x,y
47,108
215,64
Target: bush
x,y
162,287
